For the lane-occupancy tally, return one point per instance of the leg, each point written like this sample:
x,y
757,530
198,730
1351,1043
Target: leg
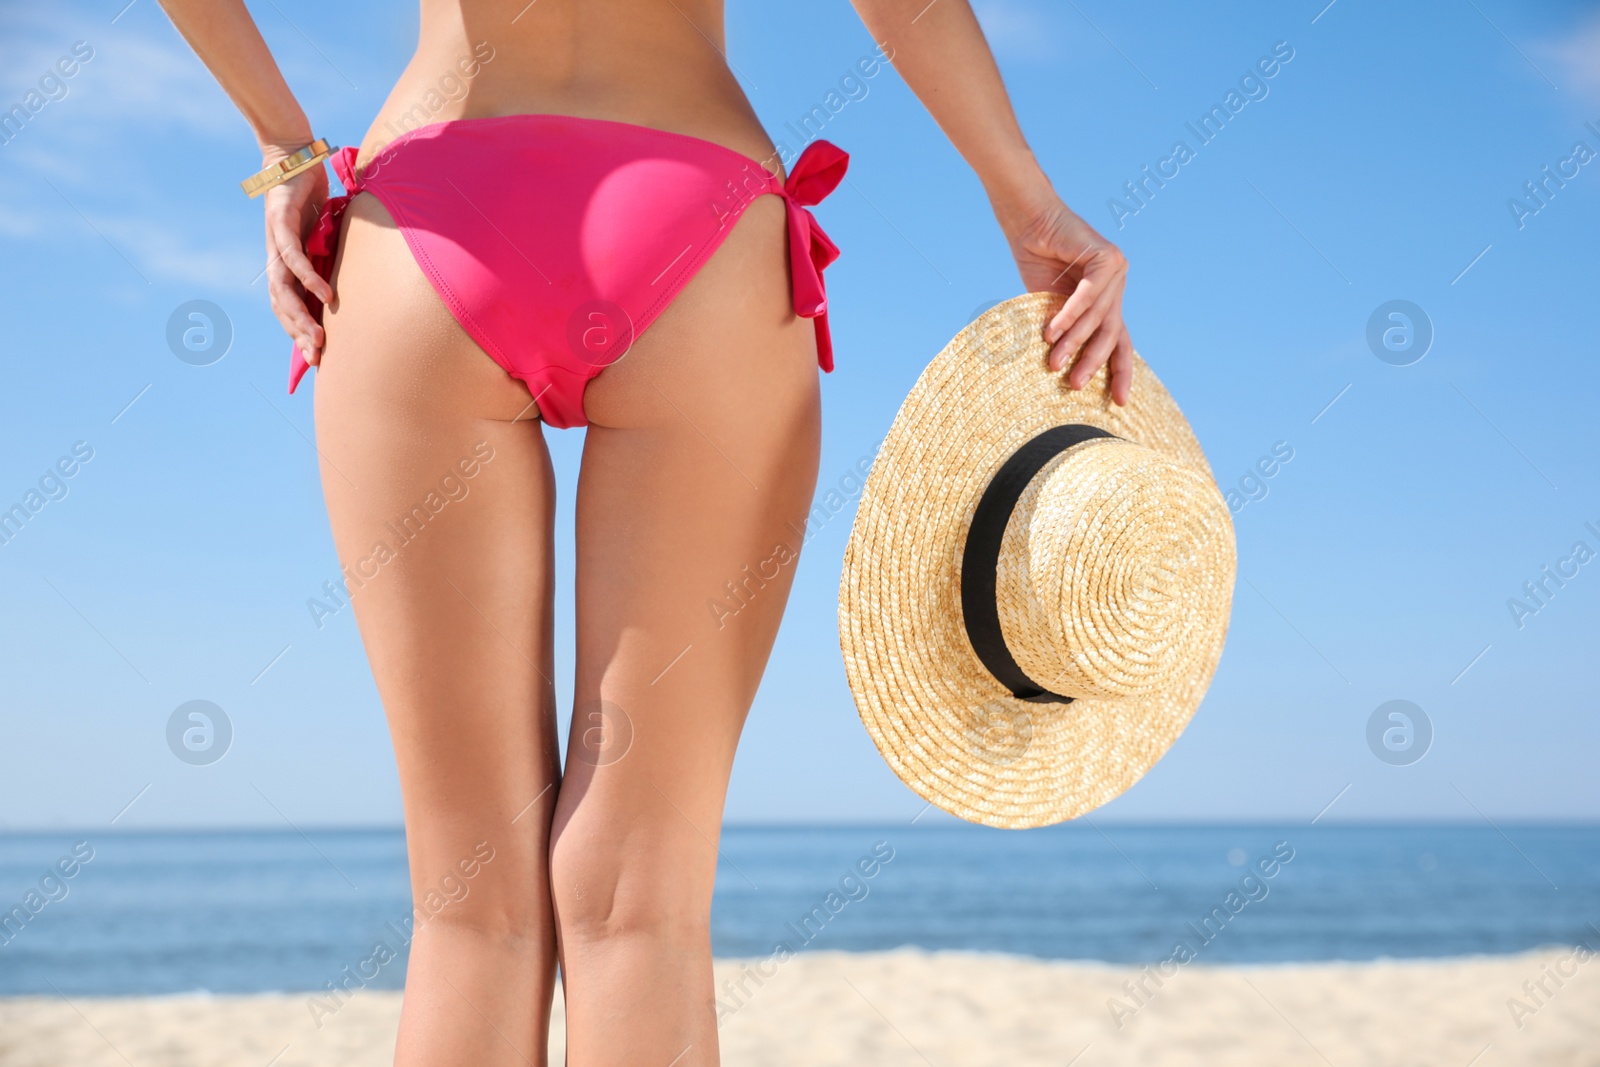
x,y
697,474
440,493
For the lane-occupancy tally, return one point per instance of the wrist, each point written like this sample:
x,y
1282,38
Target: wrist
x,y
277,145
1018,191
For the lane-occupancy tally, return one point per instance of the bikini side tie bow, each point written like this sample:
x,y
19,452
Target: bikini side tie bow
x,y
818,172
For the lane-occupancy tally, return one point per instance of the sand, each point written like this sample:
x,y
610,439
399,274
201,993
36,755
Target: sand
x,y
943,1009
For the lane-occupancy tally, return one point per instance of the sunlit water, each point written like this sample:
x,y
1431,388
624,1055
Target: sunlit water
x,y
248,912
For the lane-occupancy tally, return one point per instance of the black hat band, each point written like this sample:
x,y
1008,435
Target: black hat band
x,y
980,560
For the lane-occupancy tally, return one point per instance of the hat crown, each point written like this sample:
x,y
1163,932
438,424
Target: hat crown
x,y
1113,561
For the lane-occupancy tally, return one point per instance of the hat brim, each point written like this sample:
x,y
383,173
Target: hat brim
x,y
945,726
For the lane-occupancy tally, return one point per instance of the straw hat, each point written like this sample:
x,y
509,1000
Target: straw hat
x,y
1036,590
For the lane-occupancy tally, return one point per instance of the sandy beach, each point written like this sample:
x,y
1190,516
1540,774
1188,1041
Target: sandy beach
x,y
943,1008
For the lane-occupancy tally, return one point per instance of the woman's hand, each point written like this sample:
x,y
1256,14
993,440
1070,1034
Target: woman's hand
x,y
291,212
1057,251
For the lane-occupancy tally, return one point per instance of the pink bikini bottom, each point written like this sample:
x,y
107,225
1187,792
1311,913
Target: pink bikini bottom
x,y
557,241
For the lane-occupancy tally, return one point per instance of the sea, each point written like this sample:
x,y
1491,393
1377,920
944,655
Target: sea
x,y
253,911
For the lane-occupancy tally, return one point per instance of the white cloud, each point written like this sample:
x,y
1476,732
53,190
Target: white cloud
x,y
136,86
1578,57
166,254
115,146
18,224
1016,29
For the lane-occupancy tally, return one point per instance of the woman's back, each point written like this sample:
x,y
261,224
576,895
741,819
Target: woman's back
x,y
657,63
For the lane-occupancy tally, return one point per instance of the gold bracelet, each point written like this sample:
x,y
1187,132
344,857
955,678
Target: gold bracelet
x,y
286,168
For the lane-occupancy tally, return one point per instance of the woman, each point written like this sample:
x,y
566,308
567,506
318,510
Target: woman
x,y
701,456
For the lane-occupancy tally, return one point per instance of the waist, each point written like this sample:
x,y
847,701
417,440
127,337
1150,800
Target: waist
x,y
665,83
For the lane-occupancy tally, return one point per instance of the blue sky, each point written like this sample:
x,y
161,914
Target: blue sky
x,y
1377,164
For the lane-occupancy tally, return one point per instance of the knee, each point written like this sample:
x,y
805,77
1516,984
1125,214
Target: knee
x,y
497,893
518,930
641,884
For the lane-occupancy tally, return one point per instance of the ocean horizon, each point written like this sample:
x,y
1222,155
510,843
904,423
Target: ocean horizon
x,y
253,910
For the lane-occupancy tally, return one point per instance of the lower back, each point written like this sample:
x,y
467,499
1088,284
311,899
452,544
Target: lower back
x,y
654,63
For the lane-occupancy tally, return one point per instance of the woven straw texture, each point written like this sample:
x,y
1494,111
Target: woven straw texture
x,y
1114,585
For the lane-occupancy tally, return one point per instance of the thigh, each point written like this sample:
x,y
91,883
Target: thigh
x,y
697,474
440,494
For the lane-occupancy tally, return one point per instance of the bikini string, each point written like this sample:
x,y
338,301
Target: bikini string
x,y
818,172
322,243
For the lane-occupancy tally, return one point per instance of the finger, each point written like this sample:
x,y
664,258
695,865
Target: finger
x,y
291,310
288,306
305,340
1100,343
292,251
1082,329
288,302
1103,273
1122,369
1070,347
1094,357
1083,297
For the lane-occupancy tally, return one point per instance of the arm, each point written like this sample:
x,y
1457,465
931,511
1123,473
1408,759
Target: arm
x,y
226,39
1054,248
